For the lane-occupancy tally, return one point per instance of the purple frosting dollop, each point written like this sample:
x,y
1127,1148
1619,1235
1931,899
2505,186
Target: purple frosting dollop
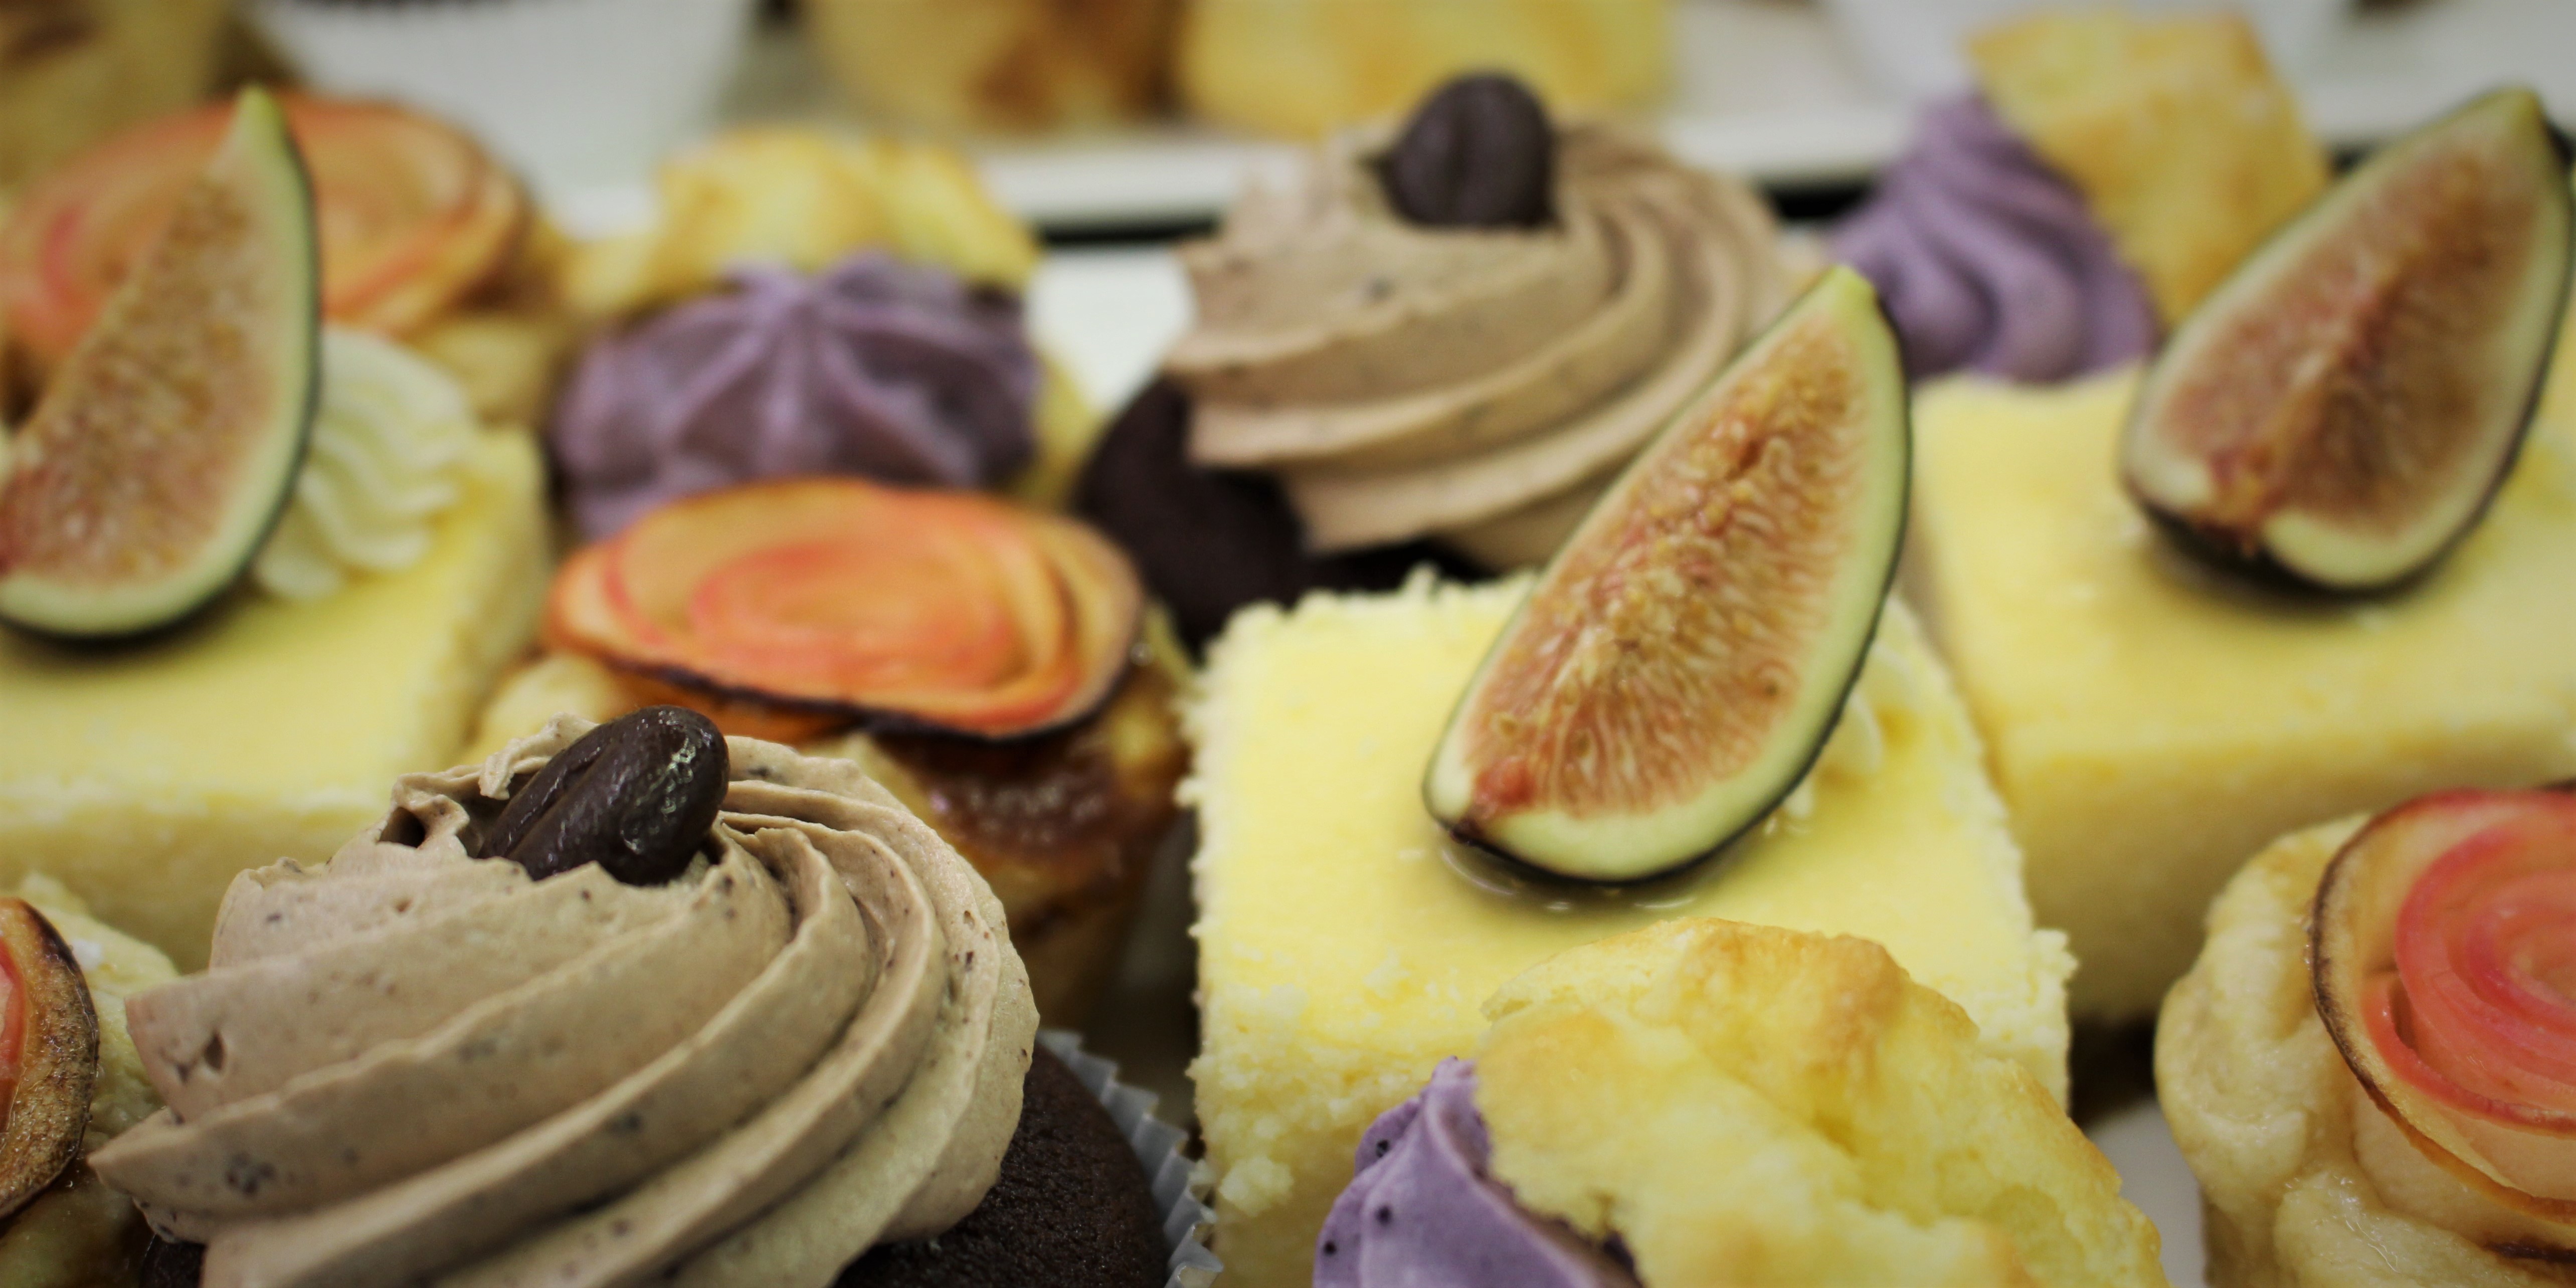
x,y
897,371
1987,259
1422,1213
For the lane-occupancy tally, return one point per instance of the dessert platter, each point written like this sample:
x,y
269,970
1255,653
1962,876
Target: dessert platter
x,y
602,760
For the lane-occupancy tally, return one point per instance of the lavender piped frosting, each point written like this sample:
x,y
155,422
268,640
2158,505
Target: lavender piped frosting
x,y
897,371
1989,261
1422,1213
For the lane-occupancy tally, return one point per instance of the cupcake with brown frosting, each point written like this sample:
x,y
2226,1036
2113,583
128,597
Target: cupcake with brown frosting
x,y
641,1003
1462,330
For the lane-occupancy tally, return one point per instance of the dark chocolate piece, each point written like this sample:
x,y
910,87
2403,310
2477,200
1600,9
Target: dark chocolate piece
x,y
635,795
1478,153
1072,1209
1208,542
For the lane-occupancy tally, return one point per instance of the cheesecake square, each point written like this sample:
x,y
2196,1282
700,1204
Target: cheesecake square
x,y
145,775
2152,721
1342,954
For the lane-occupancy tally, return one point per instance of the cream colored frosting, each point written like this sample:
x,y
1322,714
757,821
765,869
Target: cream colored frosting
x,y
413,1066
391,437
1480,384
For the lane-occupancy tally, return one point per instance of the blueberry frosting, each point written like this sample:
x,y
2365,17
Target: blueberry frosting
x,y
1422,1212
875,366
1988,260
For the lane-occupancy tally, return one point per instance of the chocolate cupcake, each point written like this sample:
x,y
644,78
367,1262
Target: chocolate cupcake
x,y
513,1081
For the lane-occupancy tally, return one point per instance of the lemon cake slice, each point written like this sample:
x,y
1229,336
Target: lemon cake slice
x,y
1344,950
2153,722
144,776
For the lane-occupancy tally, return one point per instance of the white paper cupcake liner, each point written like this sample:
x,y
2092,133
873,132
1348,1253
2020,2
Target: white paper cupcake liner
x,y
575,93
1178,1188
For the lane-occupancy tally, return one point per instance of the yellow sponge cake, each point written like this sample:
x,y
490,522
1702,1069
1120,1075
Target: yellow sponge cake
x,y
2151,722
144,776
1867,1140
1342,955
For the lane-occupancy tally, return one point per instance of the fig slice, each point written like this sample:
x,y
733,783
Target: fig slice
x,y
2341,409
1680,661
2443,952
815,603
415,217
166,446
49,1040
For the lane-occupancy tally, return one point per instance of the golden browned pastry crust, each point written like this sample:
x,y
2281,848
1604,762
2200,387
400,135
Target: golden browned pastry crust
x,y
2186,146
1304,68
2302,1180
1001,65
73,72
507,343
1865,1137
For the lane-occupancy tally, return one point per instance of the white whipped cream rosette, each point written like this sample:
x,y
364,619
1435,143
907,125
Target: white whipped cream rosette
x,y
414,1065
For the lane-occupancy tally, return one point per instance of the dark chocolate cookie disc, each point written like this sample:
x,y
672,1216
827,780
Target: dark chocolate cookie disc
x,y
1208,542
1072,1209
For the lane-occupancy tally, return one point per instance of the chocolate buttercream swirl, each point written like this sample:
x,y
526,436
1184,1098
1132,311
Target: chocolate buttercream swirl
x,y
1473,383
413,1066
1988,260
897,371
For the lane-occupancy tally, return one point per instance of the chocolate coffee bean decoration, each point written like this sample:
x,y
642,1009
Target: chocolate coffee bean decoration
x,y
635,795
1479,153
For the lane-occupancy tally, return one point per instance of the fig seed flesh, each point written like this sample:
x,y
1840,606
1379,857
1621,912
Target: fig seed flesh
x,y
1682,659
2342,408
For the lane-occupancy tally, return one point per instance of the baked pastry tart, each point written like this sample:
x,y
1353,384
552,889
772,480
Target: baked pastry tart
x,y
986,661
2372,1068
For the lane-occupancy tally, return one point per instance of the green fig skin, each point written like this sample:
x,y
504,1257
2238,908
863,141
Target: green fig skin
x,y
1707,791
167,445
2382,530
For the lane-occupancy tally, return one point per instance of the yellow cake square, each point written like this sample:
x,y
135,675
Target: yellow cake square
x,y
1341,956
145,775
2153,722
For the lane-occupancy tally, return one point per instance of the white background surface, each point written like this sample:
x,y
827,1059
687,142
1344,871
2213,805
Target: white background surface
x,y
1108,315
1766,88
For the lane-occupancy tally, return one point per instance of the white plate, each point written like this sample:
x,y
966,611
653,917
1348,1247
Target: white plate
x,y
1767,88
1108,315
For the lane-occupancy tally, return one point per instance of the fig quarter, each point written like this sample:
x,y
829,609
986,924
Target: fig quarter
x,y
1681,661
2340,411
635,795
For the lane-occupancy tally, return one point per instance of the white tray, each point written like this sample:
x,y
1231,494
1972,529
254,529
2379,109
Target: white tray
x,y
1767,88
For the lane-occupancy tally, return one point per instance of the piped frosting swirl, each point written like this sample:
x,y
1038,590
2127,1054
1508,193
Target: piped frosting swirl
x,y
414,1065
1988,260
390,440
1477,384
900,372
